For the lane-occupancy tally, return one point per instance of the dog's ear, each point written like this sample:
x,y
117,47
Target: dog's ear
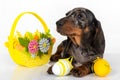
x,y
99,40
90,16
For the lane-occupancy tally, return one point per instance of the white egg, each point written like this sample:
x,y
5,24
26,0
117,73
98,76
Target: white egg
x,y
56,69
62,67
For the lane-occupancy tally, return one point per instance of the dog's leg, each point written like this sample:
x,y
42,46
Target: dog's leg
x,y
50,70
58,54
82,70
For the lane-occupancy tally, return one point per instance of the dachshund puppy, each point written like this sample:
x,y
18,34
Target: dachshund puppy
x,y
85,40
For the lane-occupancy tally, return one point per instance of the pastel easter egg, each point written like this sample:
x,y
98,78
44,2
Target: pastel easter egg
x,y
62,67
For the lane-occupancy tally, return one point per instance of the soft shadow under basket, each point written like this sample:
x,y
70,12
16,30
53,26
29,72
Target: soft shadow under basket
x,y
31,49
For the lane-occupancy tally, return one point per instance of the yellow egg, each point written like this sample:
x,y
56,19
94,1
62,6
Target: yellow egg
x,y
101,67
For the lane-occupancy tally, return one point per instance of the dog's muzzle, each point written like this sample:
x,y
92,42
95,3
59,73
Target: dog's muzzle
x,y
60,22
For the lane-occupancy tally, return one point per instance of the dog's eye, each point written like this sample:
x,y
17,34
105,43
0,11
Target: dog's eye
x,y
80,16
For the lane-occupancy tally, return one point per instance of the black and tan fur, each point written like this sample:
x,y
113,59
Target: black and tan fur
x,y
85,40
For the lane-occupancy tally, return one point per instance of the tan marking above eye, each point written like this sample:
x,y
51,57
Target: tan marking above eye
x,y
86,29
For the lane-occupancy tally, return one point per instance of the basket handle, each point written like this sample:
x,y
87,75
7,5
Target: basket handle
x,y
18,18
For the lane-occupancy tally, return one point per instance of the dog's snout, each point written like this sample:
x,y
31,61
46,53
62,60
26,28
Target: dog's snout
x,y
60,23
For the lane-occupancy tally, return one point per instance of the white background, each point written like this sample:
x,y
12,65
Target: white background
x,y
106,11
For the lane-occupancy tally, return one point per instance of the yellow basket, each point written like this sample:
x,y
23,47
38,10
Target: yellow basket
x,y
23,57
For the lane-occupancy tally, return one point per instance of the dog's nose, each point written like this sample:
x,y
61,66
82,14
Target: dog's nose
x,y
60,23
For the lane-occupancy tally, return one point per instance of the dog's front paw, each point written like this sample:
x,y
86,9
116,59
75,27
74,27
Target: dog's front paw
x,y
78,72
50,70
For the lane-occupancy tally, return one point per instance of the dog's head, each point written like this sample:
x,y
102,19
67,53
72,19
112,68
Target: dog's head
x,y
80,25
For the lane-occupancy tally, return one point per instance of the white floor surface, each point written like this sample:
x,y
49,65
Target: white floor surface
x,y
15,72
